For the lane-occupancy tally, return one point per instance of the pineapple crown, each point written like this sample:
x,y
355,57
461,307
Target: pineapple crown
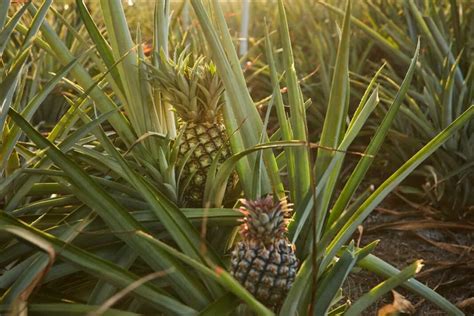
x,y
192,87
264,219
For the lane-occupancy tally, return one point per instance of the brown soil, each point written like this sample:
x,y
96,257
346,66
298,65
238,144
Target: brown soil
x,y
446,248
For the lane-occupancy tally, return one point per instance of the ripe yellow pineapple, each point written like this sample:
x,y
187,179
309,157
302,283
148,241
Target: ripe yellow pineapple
x,y
196,93
264,261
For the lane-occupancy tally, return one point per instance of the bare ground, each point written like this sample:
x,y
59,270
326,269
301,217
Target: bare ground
x,y
447,249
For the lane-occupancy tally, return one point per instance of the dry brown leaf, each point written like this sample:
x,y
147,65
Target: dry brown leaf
x,y
468,303
399,306
422,224
453,248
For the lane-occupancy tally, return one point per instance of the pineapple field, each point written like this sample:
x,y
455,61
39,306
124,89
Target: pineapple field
x,y
206,157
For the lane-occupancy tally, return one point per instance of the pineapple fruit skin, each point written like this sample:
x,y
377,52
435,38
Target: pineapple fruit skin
x,y
266,271
204,140
264,261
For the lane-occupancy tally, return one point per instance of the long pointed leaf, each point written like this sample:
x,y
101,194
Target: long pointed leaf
x,y
96,266
113,213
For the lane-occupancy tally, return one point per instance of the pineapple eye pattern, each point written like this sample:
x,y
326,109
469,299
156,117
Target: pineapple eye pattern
x,y
264,261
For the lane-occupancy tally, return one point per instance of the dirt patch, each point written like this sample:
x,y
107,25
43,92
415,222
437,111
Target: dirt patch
x,y
447,249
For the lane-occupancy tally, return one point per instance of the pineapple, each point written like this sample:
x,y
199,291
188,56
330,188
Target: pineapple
x,y
264,261
196,93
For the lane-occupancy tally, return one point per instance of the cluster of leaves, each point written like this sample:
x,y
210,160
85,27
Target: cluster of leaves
x,y
442,87
92,203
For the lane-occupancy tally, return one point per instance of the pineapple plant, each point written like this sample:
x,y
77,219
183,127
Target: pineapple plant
x,y
264,261
196,93
46,222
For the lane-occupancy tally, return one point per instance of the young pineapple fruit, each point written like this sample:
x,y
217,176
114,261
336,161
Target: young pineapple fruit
x,y
196,93
264,261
